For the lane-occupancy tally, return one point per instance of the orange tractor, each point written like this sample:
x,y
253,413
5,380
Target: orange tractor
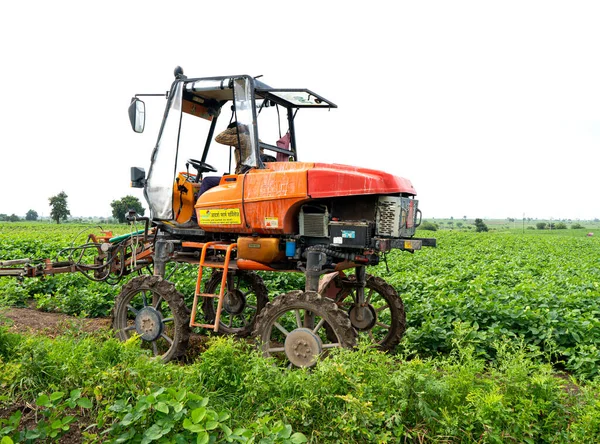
x,y
274,213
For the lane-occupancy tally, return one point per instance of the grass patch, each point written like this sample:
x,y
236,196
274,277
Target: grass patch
x,y
360,396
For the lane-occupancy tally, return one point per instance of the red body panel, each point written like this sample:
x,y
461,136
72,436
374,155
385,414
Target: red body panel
x,y
331,180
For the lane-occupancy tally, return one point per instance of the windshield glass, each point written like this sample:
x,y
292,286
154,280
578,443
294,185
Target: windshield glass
x,y
194,134
159,186
299,98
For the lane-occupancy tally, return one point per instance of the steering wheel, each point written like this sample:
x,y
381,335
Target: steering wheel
x,y
201,167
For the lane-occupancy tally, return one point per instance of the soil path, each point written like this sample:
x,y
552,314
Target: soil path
x,y
27,320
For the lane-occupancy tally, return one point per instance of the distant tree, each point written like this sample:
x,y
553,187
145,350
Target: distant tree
x,y
3,217
430,226
14,218
577,226
31,215
122,206
480,226
561,226
459,224
541,225
60,209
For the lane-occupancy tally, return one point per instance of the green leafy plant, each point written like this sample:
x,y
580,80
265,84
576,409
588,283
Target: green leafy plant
x,y
55,418
186,417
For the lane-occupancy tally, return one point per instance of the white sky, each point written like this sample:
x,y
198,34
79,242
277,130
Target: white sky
x,y
491,109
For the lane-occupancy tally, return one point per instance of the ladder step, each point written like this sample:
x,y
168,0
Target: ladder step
x,y
228,248
212,265
211,326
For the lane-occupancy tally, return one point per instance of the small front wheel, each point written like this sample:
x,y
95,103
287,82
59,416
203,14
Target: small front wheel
x,y
156,311
292,327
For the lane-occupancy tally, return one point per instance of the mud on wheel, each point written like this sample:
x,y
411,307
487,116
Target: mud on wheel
x,y
245,296
155,310
292,327
384,321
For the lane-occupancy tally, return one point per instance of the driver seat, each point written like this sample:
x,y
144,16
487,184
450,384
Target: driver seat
x,y
184,191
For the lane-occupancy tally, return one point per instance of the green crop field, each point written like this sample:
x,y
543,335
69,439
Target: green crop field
x,y
502,345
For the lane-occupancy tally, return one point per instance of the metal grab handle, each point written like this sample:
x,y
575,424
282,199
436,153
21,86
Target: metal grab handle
x,y
420,218
403,218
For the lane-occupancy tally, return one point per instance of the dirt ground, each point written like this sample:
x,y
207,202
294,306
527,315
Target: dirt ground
x,y
27,320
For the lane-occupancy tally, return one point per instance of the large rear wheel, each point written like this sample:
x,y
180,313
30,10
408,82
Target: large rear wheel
x,y
292,328
245,296
156,311
383,321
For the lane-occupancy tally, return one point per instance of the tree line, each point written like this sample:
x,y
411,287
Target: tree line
x,y
59,209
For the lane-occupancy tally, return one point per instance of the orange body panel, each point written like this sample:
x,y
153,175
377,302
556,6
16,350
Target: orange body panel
x,y
261,201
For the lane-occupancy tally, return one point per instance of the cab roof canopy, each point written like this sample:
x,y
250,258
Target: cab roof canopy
x,y
220,89
204,97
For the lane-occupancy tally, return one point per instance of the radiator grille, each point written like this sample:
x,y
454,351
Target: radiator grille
x,y
396,216
387,220
314,224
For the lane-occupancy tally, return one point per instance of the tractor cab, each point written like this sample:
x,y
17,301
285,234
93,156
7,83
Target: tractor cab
x,y
192,120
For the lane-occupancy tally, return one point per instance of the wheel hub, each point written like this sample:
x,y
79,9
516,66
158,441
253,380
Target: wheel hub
x,y
302,347
369,317
234,302
149,324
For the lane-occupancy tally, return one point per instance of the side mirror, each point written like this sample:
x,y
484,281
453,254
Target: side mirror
x,y
138,177
137,115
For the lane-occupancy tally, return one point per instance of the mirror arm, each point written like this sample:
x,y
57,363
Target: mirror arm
x,y
166,95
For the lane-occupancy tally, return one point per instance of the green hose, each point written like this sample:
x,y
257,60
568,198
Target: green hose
x,y
124,236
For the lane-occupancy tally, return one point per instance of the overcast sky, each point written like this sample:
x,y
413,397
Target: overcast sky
x,y
491,109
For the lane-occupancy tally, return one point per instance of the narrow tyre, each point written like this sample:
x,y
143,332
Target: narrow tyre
x,y
389,322
152,308
292,328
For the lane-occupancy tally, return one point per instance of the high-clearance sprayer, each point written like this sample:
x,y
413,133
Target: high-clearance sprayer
x,y
268,212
